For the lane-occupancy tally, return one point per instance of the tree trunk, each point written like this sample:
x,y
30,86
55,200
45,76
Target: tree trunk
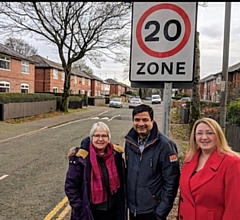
x,y
195,113
66,91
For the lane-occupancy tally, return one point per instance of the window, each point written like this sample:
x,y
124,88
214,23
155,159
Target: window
x,y
55,74
24,88
63,75
83,81
55,89
218,81
25,67
4,86
75,79
205,85
4,62
89,82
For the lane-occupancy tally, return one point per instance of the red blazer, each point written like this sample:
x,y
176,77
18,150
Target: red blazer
x,y
213,193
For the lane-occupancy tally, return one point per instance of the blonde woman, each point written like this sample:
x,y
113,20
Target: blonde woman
x,y
209,182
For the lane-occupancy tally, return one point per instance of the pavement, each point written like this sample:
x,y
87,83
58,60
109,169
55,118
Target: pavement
x,y
9,131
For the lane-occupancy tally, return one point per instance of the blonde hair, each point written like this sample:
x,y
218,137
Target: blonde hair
x,y
222,144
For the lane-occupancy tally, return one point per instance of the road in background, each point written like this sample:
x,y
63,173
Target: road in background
x,y
33,162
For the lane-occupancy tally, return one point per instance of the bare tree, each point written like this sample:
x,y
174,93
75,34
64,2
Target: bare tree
x,y
94,30
82,66
20,46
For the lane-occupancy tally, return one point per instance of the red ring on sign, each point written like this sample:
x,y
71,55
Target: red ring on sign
x,y
179,46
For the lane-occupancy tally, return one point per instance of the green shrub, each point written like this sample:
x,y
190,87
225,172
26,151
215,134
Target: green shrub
x,y
25,97
233,113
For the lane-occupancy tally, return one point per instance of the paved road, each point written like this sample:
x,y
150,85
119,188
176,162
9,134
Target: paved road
x,y
9,131
12,131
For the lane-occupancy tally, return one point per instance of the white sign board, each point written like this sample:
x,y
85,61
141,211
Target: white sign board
x,y
163,41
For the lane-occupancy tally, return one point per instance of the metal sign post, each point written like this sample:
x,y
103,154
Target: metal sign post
x,y
163,47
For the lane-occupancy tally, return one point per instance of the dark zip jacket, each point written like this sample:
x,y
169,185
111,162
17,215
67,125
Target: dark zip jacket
x,y
77,183
152,177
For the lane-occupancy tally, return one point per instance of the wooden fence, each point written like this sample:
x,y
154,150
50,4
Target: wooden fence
x,y
24,109
233,136
232,131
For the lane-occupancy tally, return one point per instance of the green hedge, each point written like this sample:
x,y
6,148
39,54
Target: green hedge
x,y
25,97
233,113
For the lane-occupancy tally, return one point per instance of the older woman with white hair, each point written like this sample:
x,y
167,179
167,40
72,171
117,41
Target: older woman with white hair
x,y
94,181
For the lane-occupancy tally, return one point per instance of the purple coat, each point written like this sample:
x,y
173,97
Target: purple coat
x,y
77,183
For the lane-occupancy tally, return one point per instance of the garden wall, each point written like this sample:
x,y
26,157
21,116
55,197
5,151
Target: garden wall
x,y
24,109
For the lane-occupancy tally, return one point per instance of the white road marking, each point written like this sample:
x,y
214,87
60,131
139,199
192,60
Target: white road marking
x,y
113,117
4,176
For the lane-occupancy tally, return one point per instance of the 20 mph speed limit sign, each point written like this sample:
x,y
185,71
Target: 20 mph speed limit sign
x,y
163,41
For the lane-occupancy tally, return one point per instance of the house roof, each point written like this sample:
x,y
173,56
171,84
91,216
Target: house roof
x,y
233,68
93,76
208,78
43,62
7,51
112,81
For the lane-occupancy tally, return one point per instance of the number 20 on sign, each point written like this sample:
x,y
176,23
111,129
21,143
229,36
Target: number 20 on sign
x,y
163,41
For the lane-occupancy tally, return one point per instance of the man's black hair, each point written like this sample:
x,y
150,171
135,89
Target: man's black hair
x,y
142,108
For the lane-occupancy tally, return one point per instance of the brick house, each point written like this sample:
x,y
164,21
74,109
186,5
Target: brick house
x,y
96,85
117,88
49,77
38,74
105,88
210,86
16,72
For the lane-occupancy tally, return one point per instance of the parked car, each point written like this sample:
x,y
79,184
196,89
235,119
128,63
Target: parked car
x,y
130,97
116,102
135,102
185,99
156,99
148,98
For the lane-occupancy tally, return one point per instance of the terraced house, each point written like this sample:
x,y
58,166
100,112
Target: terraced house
x,y
17,72
23,74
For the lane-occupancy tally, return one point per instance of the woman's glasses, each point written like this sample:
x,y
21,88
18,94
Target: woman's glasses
x,y
98,136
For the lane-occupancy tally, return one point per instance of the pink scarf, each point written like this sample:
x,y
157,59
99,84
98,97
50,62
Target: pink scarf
x,y
98,191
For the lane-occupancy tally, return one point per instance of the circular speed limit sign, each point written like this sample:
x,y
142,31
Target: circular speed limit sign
x,y
166,27
163,41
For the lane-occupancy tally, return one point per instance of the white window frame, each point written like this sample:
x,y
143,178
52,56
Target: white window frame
x,y
55,73
4,62
218,80
24,87
63,75
75,79
83,81
4,86
25,67
89,82
55,89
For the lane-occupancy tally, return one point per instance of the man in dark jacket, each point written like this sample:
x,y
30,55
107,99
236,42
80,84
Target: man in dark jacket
x,y
153,170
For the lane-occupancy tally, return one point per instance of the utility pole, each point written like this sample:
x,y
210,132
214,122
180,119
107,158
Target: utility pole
x,y
224,81
166,108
